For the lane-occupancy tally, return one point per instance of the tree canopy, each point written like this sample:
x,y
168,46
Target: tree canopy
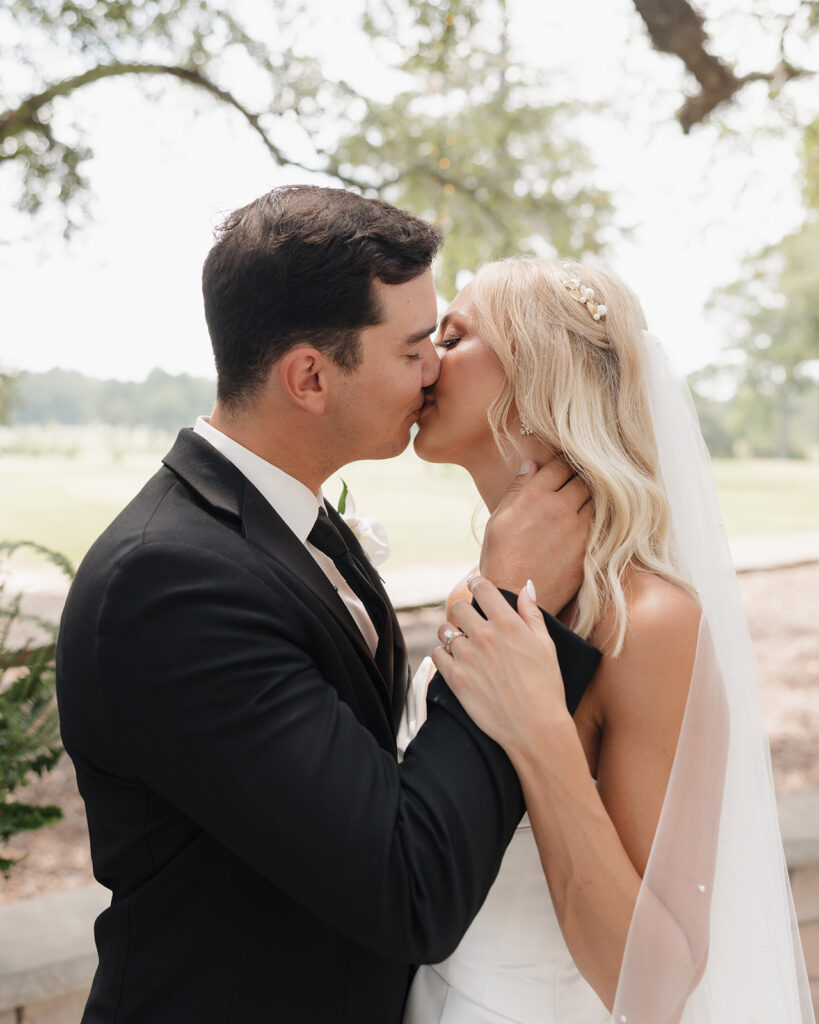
x,y
473,140
463,133
57,48
516,177
163,400
773,321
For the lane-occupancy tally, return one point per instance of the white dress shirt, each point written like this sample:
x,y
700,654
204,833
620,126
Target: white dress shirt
x,y
298,508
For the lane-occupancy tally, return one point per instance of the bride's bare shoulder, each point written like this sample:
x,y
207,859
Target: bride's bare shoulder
x,y
660,644
656,608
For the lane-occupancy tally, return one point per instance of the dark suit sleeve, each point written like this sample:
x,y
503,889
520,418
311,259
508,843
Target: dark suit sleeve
x,y
577,660
220,708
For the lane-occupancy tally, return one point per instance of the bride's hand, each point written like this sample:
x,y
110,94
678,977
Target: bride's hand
x,y
503,669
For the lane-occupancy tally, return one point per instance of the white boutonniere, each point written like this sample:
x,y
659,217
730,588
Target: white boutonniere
x,y
370,534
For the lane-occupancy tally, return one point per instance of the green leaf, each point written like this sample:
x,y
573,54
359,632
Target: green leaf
x,y
342,501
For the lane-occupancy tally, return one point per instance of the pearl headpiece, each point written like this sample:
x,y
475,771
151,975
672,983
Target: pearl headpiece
x,y
575,287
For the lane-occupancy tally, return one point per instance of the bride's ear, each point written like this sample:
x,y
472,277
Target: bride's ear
x,y
303,376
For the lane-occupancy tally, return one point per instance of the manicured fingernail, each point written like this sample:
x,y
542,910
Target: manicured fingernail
x,y
526,467
472,580
530,590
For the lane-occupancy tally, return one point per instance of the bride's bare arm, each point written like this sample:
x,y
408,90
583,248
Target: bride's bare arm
x,y
594,840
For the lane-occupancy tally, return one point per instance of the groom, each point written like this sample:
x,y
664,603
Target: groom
x,y
231,673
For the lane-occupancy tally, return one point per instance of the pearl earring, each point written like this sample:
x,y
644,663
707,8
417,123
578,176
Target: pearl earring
x,y
525,429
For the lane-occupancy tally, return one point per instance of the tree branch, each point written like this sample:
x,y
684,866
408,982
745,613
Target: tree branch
x,y
676,27
27,115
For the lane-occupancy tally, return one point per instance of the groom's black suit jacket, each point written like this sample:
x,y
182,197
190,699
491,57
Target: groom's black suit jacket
x,y
235,746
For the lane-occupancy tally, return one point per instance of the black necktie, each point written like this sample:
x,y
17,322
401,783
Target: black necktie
x,y
327,538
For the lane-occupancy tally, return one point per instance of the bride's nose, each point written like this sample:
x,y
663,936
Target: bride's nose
x,y
431,364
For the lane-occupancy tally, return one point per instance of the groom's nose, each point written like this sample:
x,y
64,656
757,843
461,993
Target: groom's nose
x,y
430,362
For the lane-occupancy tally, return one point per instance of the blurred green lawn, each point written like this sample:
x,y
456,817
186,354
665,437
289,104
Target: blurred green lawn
x,y
64,502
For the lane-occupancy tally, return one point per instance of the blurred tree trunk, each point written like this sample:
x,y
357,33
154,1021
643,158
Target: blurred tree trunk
x,y
676,27
8,395
783,433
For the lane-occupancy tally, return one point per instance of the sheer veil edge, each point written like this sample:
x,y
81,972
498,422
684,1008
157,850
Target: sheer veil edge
x,y
713,938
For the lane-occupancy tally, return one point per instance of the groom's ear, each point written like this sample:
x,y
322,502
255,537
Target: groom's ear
x,y
302,373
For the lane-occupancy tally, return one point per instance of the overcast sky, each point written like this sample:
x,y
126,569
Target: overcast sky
x,y
123,296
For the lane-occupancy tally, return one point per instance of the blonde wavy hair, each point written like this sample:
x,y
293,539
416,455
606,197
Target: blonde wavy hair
x,y
578,385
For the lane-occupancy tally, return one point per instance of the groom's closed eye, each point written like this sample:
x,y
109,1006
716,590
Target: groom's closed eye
x,y
415,340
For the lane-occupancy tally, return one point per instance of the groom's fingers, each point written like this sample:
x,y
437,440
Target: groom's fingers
x,y
539,531
554,474
554,477
576,493
551,476
570,486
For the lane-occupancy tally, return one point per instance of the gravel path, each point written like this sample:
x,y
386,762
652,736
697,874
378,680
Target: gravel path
x,y
781,606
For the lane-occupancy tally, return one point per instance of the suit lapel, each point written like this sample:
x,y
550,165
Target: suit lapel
x,y
231,494
268,532
206,471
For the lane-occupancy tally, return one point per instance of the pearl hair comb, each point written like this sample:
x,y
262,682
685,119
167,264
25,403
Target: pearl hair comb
x,y
575,287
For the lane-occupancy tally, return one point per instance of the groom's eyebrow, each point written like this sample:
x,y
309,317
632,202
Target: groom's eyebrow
x,y
421,335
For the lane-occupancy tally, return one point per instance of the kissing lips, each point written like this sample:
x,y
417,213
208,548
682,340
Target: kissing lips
x,y
429,401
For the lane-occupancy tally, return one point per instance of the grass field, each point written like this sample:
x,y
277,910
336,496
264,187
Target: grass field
x,y
67,495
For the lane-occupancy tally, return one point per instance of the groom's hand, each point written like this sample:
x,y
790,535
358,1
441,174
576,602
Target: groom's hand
x,y
539,532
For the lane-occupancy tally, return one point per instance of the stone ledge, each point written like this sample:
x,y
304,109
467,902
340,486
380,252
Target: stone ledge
x,y
799,823
423,586
805,886
809,933
47,945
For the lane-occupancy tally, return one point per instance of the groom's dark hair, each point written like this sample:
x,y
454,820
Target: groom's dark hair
x,y
297,265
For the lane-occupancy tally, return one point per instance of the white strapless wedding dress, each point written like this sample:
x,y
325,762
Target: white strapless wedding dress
x,y
512,965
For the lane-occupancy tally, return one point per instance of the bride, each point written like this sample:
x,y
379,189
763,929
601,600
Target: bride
x,y
646,884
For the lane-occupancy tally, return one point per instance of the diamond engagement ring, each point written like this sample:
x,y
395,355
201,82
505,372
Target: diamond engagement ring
x,y
450,636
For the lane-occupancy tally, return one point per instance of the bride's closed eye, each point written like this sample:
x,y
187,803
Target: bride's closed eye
x,y
447,343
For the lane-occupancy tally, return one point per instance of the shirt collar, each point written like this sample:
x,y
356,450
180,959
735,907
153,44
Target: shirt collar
x,y
291,499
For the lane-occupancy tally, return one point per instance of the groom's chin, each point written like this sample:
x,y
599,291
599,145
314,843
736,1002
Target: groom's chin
x,y
389,449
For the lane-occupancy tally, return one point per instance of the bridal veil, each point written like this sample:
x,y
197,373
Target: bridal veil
x,y
713,938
